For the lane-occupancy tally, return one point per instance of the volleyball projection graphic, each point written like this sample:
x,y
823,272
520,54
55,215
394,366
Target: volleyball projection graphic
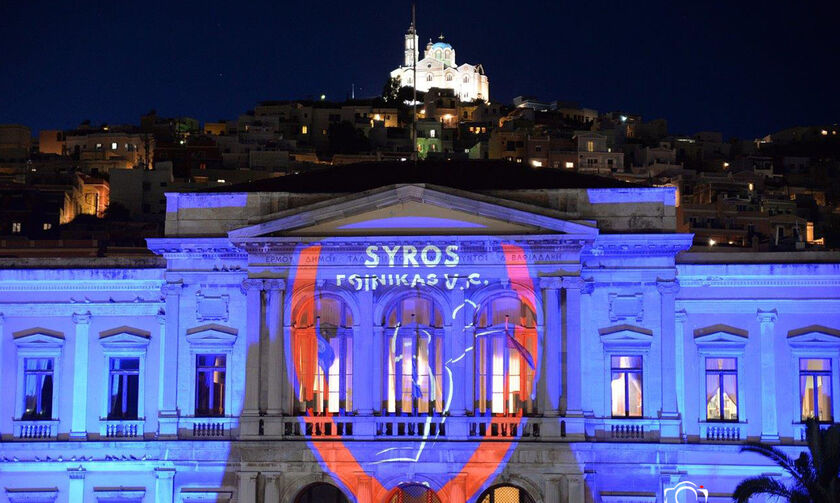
x,y
416,359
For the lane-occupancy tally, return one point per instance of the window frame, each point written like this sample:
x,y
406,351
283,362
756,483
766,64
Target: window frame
x,y
721,373
814,374
39,343
196,381
124,343
721,341
626,371
626,340
204,340
816,342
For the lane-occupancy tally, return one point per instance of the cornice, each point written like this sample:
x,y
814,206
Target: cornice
x,y
80,285
733,281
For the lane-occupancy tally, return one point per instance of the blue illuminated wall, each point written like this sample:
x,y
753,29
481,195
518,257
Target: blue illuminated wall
x,y
235,278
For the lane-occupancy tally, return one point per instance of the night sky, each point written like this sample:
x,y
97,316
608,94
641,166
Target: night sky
x,y
744,68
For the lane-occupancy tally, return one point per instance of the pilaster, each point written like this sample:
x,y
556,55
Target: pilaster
x,y
76,487
552,337
276,362
272,486
769,418
78,426
253,289
164,485
169,372
247,487
669,413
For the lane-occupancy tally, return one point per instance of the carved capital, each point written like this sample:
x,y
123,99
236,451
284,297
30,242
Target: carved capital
x,y
275,284
76,473
252,284
81,318
172,289
551,283
574,283
767,316
668,287
161,317
680,316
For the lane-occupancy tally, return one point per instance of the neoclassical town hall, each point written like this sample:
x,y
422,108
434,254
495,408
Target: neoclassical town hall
x,y
410,343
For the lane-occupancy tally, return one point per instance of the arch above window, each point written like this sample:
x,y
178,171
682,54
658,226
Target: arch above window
x,y
321,492
417,309
499,309
413,493
429,77
329,310
505,493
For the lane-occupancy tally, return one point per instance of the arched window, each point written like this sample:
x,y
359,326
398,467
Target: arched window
x,y
448,54
505,494
429,77
322,346
413,493
449,77
505,357
437,54
414,357
321,493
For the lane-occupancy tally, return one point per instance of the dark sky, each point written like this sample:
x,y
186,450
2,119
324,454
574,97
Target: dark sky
x,y
744,68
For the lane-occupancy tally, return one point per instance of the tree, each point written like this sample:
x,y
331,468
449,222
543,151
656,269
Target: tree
x,y
346,139
815,473
391,89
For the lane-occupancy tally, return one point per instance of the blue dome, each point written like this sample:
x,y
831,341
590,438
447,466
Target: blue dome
x,y
441,45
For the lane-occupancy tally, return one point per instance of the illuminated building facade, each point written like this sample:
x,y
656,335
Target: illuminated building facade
x,y
555,345
437,68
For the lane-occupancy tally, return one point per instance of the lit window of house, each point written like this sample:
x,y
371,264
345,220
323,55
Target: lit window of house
x,y
47,226
626,386
506,346
414,358
570,165
16,226
123,388
304,129
210,371
590,146
113,145
815,388
38,388
322,345
721,389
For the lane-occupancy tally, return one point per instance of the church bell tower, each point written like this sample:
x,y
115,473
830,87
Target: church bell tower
x,y
411,46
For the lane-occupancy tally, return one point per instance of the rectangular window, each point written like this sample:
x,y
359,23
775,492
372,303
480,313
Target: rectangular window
x,y
210,385
124,390
626,386
721,389
590,146
304,129
16,227
113,145
815,388
47,226
37,388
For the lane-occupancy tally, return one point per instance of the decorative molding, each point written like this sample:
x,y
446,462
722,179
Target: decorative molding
x,y
190,495
275,285
758,281
119,494
626,337
212,335
60,285
626,307
53,309
212,307
814,336
668,287
38,338
721,336
252,284
551,283
173,288
77,473
32,495
124,338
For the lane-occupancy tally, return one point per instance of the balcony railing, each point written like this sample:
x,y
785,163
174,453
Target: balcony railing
x,y
122,428
207,427
626,430
800,430
411,427
723,432
46,429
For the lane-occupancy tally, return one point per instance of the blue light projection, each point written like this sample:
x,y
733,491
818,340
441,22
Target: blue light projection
x,y
412,222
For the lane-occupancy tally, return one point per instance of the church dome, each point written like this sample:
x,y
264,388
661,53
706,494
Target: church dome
x,y
441,45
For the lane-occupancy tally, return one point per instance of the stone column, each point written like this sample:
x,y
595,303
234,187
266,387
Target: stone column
x,y
469,370
552,489
668,292
164,485
577,488
272,487
365,491
458,489
247,487
363,357
574,355
78,429
253,293
2,362
168,361
552,344
76,489
276,362
769,419
378,350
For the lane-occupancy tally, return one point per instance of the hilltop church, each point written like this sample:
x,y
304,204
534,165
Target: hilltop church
x,y
438,69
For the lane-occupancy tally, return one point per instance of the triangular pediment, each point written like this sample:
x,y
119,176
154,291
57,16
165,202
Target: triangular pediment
x,y
412,210
626,336
814,335
721,336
